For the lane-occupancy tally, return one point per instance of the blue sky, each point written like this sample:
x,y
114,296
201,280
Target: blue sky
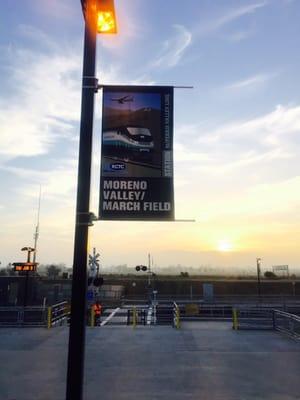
x,y
236,133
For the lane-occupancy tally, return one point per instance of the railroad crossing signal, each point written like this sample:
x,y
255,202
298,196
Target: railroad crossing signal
x,y
94,263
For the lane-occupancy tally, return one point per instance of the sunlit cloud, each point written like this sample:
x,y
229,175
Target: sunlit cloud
x,y
270,137
44,105
238,179
248,169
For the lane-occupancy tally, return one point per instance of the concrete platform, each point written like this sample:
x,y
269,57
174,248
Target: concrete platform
x,y
202,361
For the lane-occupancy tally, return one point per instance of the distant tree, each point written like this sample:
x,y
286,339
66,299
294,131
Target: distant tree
x,y
270,275
184,274
3,272
53,271
11,270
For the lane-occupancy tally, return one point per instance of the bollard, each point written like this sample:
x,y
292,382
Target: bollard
x,y
134,317
273,320
178,317
49,318
92,322
235,319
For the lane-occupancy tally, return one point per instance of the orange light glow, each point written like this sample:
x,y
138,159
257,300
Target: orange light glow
x,y
106,22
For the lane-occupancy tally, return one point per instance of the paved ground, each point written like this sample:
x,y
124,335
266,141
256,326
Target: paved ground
x,y
202,361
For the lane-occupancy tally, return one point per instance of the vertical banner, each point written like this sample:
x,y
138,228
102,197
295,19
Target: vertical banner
x,y
137,153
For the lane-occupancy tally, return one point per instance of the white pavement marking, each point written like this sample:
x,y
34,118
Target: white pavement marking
x,y
110,316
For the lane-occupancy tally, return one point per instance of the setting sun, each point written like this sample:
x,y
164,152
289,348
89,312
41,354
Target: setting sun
x,y
224,245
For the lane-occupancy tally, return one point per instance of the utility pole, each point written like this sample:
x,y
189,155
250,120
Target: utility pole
x,y
258,262
37,228
149,271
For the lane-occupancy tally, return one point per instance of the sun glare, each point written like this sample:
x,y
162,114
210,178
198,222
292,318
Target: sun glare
x,y
224,245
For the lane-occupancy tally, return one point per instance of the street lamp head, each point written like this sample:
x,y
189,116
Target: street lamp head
x,y
102,13
27,249
106,17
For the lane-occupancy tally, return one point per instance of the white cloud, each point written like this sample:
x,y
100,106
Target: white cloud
x,y
44,104
57,183
64,10
257,147
239,35
174,48
284,120
35,35
251,82
214,25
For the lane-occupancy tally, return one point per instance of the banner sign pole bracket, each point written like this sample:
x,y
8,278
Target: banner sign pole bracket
x,y
90,82
101,86
85,218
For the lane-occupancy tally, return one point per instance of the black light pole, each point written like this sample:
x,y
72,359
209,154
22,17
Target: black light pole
x,y
99,16
79,284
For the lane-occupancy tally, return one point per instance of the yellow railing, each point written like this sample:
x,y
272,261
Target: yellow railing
x,y
49,317
235,321
134,317
92,317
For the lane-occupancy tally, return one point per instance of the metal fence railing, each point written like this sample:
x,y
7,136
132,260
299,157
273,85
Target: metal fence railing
x,y
283,299
287,323
23,316
266,318
136,316
258,318
31,316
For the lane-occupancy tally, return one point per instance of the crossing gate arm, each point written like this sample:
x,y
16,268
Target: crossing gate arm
x,y
58,314
176,316
286,323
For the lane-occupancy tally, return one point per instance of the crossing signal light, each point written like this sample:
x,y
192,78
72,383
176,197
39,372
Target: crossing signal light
x,y
141,268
